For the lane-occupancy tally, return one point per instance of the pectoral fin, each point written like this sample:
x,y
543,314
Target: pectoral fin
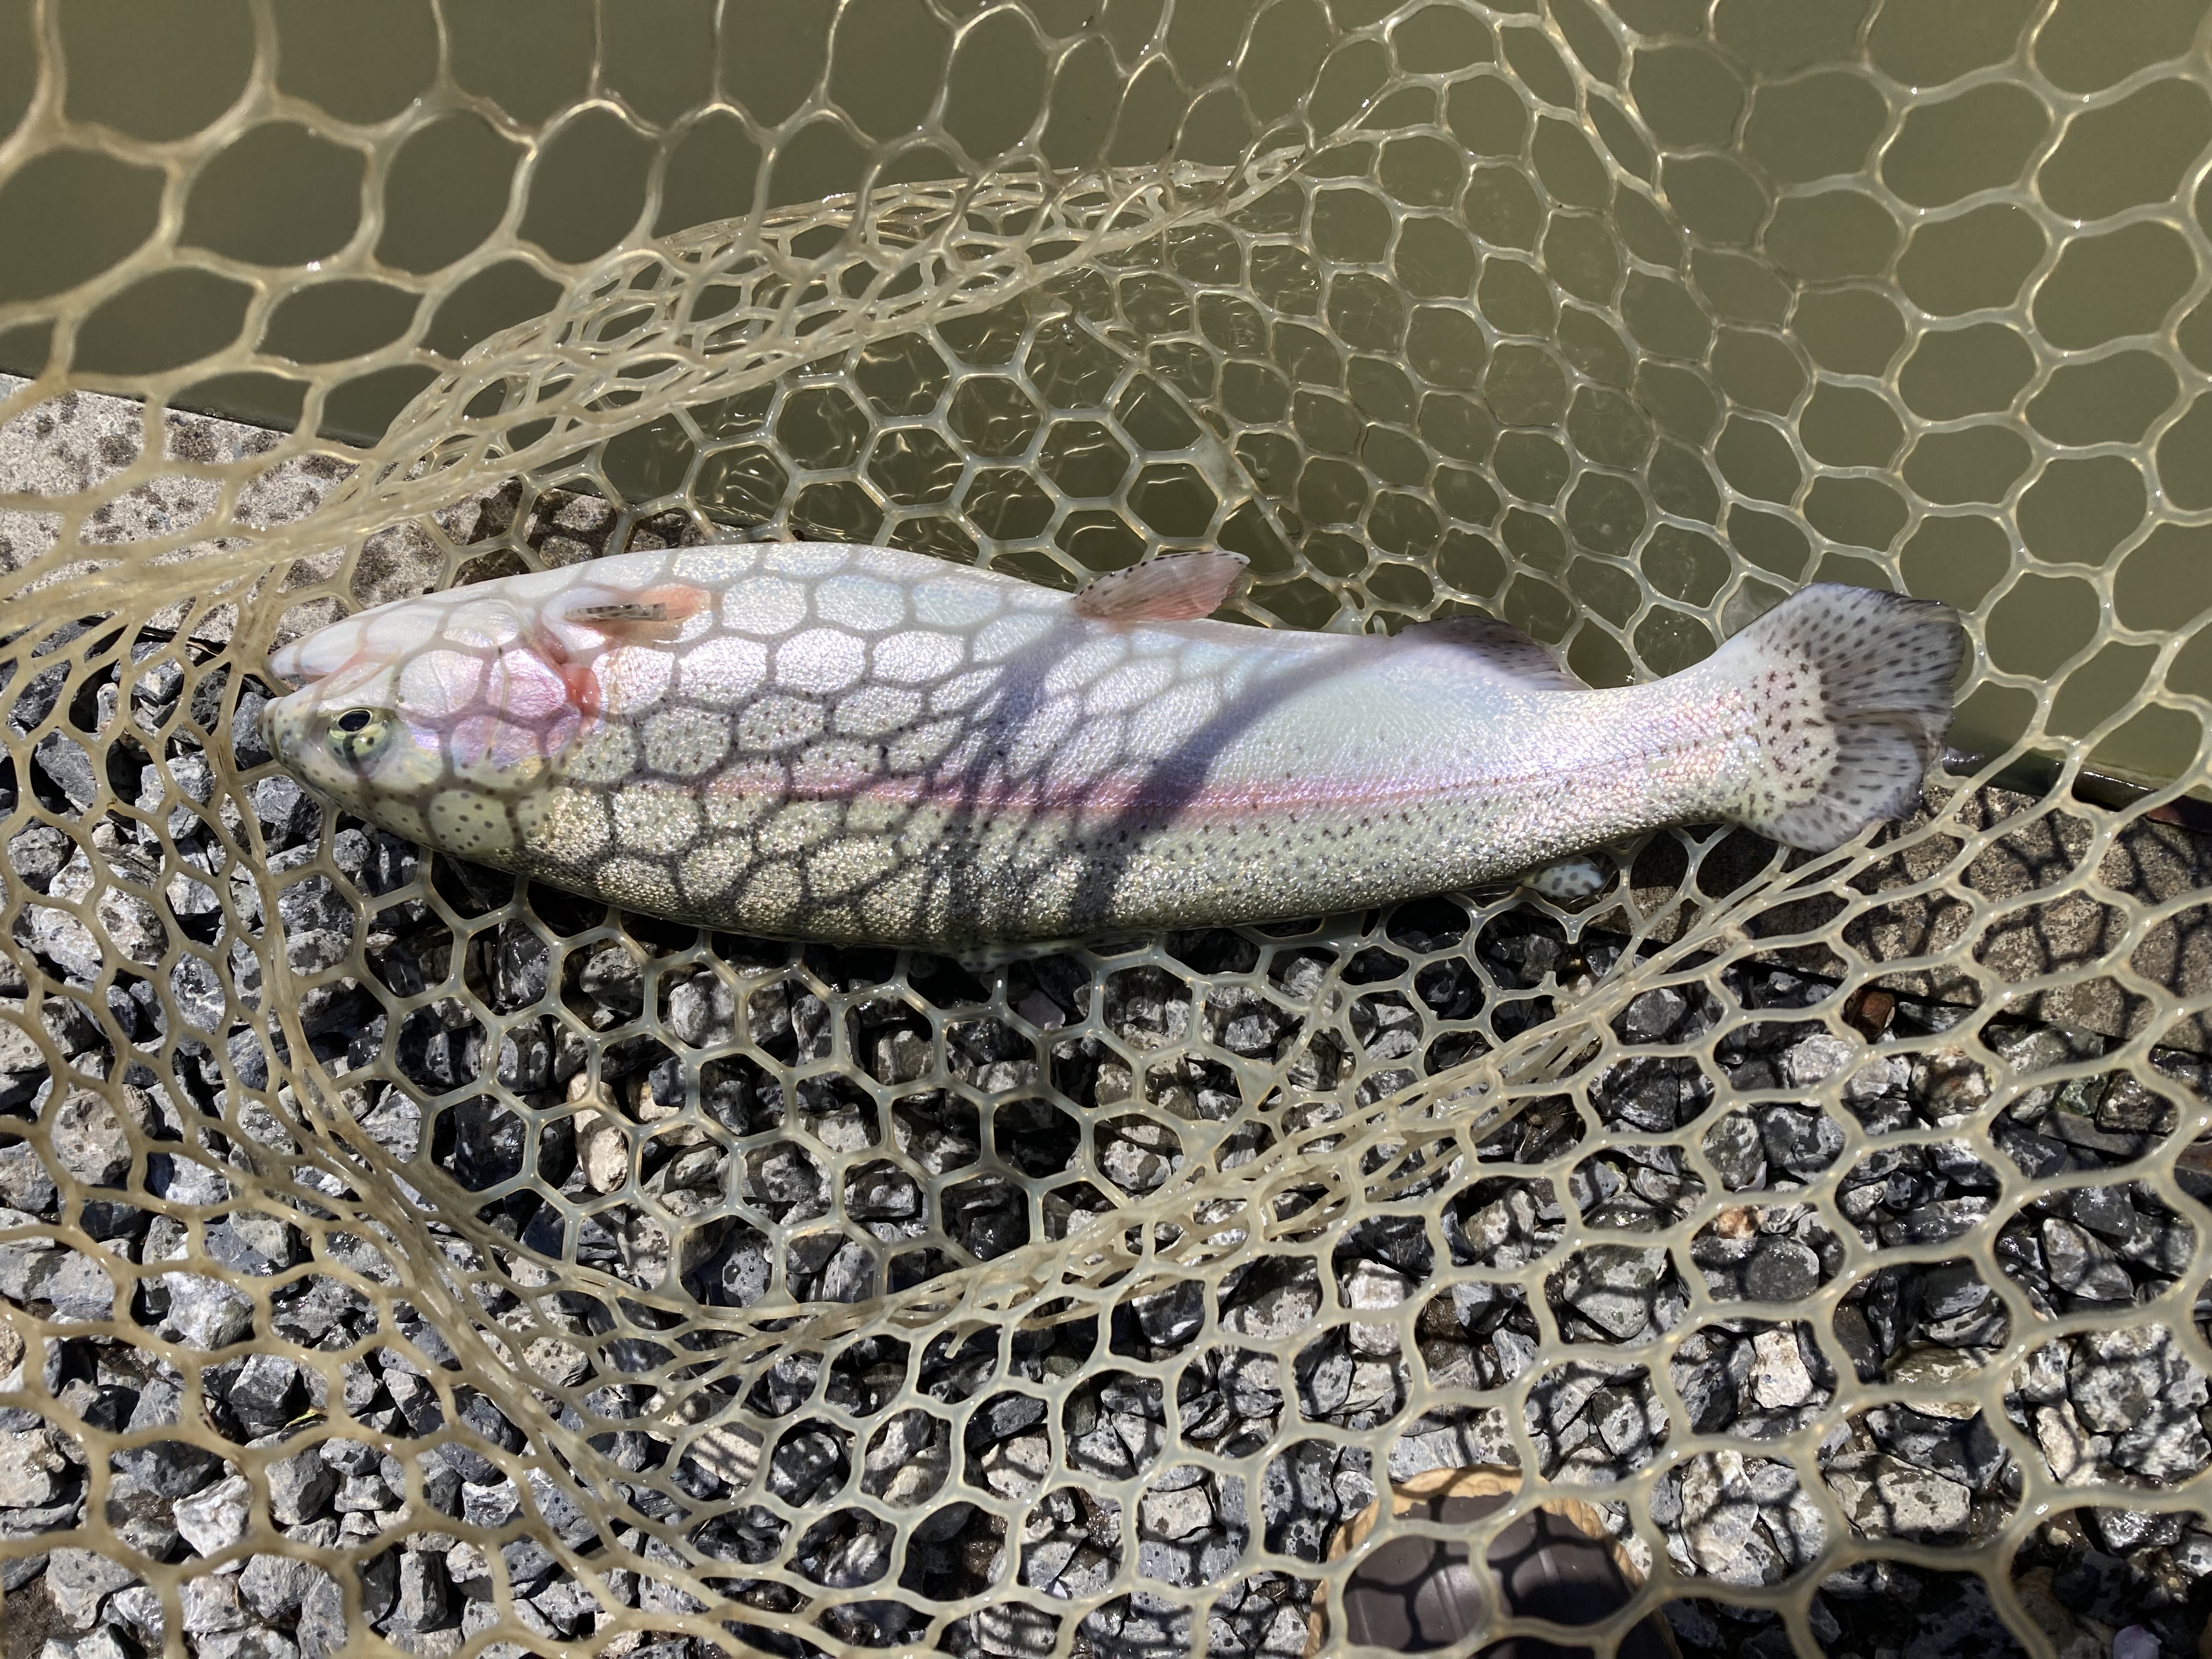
x,y
1174,588
575,628
625,610
652,613
1568,879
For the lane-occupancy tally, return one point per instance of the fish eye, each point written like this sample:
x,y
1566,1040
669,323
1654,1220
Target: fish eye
x,y
359,734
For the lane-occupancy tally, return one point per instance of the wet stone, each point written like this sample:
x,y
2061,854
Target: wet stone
x,y
805,1467
205,1312
263,1394
615,981
1651,1016
1900,1498
89,1139
67,769
38,854
1171,1318
78,1581
2137,1386
420,1602
79,1289
702,1011
213,1520
1801,1143
1620,1289
277,1586
1781,1270
1738,1151
301,1487
2083,1265
32,1471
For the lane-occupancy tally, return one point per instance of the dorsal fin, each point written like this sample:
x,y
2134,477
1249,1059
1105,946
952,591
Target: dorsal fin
x,y
1174,588
1498,648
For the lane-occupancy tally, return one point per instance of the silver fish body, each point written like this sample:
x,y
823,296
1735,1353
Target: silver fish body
x,y
855,743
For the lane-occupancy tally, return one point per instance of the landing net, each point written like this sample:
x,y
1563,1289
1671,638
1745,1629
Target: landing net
x,y
397,1254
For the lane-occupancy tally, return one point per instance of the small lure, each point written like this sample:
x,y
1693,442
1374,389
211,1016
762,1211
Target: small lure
x,y
858,743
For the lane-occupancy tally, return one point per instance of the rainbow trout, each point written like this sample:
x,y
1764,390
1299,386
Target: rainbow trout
x,y
856,744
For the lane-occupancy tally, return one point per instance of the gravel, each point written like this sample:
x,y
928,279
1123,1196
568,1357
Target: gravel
x,y
719,1119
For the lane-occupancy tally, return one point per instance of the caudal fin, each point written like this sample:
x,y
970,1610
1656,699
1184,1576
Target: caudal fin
x,y
1850,692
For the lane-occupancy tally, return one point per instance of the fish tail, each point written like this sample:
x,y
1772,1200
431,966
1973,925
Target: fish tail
x,y
1850,692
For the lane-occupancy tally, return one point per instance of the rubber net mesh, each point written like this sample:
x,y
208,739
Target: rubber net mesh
x,y
398,1253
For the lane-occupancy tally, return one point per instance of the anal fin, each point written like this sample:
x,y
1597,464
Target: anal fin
x,y
1173,587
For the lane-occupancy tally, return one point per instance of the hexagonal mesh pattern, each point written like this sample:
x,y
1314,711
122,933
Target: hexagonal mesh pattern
x,y
399,1253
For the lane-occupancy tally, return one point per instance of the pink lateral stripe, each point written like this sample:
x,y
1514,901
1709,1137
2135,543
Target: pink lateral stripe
x,y
1209,803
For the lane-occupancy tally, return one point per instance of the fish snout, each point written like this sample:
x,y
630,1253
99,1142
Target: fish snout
x,y
306,660
280,722
318,655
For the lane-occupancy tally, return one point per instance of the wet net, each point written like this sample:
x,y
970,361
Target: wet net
x,y
399,1254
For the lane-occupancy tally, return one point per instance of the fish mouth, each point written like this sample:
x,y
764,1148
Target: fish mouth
x,y
318,655
295,665
292,663
275,716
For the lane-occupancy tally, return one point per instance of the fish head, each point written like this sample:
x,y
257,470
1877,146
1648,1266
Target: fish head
x,y
429,716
